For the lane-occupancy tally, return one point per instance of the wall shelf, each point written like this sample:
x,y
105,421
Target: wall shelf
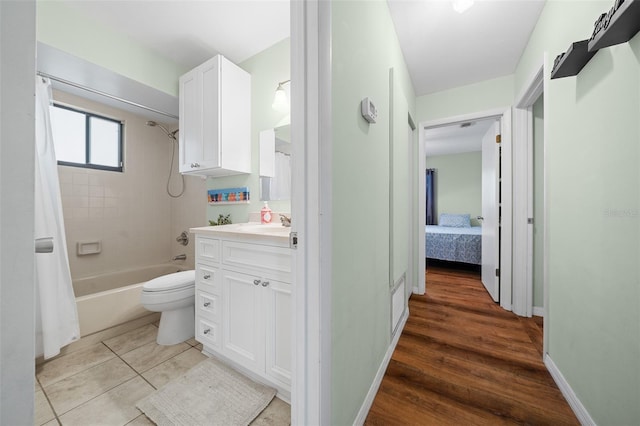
x,y
573,60
624,24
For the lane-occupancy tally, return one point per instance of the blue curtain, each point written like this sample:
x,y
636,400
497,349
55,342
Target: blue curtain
x,y
431,202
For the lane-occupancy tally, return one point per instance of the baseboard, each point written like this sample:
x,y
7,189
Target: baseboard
x,y
538,311
578,409
373,390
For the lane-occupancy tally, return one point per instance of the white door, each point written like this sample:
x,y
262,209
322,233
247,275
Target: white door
x,y
490,209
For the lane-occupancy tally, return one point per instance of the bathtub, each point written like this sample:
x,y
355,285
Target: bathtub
x,y
113,298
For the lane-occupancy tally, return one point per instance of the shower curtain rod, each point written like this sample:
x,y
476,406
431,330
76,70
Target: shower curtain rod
x,y
107,95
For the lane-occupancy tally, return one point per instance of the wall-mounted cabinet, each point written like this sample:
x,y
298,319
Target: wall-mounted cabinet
x,y
215,119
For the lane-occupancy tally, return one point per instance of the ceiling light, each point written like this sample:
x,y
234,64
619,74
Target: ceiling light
x,y
461,6
280,101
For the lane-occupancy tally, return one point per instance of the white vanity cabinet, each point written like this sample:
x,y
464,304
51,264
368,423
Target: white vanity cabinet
x,y
215,119
243,304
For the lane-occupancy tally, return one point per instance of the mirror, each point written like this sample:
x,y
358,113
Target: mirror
x,y
275,164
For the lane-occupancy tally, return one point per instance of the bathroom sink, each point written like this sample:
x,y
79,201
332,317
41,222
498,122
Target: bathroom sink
x,y
249,229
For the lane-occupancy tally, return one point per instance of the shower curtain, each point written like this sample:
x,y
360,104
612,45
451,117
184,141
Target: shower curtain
x,y
56,313
431,202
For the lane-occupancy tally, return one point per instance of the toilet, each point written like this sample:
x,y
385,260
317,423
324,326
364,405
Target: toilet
x,y
174,296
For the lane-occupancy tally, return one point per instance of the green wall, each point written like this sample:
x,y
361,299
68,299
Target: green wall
x,y
478,97
538,202
361,60
594,199
458,184
267,69
73,32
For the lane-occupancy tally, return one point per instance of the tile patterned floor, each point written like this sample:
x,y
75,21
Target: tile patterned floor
x,y
100,383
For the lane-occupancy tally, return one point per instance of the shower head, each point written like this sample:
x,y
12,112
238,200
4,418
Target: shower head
x,y
171,135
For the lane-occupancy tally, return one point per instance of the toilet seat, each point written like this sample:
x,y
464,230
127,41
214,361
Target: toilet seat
x,y
175,281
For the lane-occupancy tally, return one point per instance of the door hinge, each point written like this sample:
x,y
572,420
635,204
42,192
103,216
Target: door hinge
x,y
497,272
293,240
498,138
530,221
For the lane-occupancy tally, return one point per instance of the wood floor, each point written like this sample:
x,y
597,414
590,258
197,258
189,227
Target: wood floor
x,y
462,360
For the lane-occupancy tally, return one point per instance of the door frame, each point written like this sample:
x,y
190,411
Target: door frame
x,y
311,206
17,176
533,87
504,113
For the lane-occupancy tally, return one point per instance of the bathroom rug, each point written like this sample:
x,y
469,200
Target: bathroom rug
x,y
208,394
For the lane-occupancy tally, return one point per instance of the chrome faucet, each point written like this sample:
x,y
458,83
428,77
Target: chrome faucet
x,y
286,220
180,257
183,238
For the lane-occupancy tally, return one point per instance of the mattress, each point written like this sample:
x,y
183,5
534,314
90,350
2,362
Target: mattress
x,y
454,244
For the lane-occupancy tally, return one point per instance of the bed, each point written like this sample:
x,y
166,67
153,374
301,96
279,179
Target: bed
x,y
454,243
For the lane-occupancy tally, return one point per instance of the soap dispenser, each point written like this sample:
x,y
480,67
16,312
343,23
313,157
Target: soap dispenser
x,y
265,214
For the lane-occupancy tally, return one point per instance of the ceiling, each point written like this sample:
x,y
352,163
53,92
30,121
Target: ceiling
x,y
190,32
455,139
442,48
445,49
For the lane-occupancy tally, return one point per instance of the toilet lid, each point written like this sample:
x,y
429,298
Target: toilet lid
x,y
171,281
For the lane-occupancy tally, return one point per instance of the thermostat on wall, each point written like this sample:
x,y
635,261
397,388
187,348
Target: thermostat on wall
x,y
368,110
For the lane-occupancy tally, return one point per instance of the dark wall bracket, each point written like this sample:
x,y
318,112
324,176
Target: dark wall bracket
x,y
572,61
617,26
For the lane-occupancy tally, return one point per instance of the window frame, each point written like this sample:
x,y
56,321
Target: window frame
x,y
87,140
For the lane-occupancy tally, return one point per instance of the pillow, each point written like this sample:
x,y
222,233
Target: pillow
x,y
455,220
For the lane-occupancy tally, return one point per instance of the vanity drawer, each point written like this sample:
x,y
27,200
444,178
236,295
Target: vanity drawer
x,y
207,278
207,249
208,333
255,256
208,305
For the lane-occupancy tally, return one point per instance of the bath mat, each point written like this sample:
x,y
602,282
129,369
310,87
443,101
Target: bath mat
x,y
208,394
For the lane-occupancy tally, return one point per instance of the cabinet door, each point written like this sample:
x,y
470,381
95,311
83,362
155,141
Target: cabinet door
x,y
190,134
243,326
278,331
210,75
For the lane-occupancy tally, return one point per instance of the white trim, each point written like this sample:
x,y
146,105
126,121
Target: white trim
x,y
447,121
533,88
523,193
373,390
311,184
420,287
506,217
522,137
574,402
538,311
545,214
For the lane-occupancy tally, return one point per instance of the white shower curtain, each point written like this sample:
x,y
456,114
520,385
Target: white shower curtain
x,y
56,313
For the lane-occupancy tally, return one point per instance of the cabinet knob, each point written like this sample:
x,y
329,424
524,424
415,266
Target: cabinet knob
x,y
194,165
256,282
265,283
207,331
207,304
206,277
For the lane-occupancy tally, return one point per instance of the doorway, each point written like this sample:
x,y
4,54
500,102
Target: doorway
x,y
495,197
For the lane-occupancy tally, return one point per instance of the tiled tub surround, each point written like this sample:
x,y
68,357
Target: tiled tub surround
x,y
130,212
100,381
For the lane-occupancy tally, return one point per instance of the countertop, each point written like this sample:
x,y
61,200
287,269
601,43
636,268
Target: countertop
x,y
252,231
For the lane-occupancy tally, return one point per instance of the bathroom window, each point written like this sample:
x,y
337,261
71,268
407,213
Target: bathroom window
x,y
83,139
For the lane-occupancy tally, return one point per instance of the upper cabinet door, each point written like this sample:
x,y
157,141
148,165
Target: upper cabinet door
x,y
215,119
190,134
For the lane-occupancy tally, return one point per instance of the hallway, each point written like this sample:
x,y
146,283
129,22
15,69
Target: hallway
x,y
461,359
